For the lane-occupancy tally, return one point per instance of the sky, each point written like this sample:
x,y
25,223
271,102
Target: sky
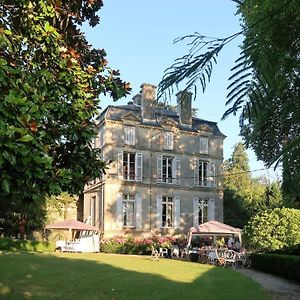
x,y
138,37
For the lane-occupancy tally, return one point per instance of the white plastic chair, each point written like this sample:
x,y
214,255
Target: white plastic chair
x,y
154,253
163,252
229,258
175,251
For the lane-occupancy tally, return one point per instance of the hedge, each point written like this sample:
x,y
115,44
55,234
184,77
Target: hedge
x,y
287,266
25,245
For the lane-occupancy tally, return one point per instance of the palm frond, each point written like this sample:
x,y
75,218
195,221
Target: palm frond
x,y
192,67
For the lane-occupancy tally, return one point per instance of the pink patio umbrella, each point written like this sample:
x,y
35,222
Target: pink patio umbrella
x,y
72,225
215,227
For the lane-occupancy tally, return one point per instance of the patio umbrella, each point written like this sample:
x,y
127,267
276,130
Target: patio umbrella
x,y
215,227
72,225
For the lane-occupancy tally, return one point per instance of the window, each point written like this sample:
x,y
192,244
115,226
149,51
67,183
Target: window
x,y
168,169
168,140
93,210
101,137
203,145
167,211
128,210
203,210
130,166
129,135
204,174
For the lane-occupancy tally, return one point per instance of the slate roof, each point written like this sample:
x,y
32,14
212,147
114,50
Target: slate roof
x,y
117,113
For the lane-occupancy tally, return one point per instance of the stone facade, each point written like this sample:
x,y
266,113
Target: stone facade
x,y
165,174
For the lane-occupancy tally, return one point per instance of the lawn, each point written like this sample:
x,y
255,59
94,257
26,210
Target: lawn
x,y
117,277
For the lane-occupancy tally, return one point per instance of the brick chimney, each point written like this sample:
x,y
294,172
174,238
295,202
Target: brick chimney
x,y
148,101
184,107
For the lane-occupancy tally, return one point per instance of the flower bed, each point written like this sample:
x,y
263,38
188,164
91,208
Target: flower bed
x,y
132,245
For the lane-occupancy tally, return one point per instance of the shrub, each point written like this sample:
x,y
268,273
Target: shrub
x,y
23,245
131,245
273,229
287,266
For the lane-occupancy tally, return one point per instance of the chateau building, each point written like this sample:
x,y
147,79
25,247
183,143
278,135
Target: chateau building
x,y
165,174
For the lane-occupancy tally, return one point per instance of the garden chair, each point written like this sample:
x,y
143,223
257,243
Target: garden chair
x,y
214,257
175,251
229,258
163,252
154,253
184,253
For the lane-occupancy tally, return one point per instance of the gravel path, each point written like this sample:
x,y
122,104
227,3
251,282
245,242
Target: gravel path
x,y
279,288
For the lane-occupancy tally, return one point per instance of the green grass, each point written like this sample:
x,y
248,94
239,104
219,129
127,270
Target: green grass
x,y
117,277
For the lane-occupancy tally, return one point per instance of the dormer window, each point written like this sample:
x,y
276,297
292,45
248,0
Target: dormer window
x,y
168,140
203,149
129,135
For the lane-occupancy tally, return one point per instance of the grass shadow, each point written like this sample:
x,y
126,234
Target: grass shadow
x,y
116,277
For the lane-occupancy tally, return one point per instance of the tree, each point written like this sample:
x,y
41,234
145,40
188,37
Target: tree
x,y
245,196
238,194
50,81
274,229
265,83
60,207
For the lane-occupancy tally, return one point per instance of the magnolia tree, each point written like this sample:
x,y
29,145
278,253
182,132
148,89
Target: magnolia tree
x,y
50,82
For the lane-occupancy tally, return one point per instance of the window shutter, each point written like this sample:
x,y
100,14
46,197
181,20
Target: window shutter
x,y
119,203
159,211
159,168
212,173
211,209
132,135
138,167
195,212
129,135
138,211
101,137
120,165
203,145
171,140
176,170
168,140
126,135
176,212
196,172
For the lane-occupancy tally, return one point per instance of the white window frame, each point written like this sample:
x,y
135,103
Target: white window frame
x,y
204,173
203,144
128,199
203,210
168,140
137,165
167,212
129,135
168,169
